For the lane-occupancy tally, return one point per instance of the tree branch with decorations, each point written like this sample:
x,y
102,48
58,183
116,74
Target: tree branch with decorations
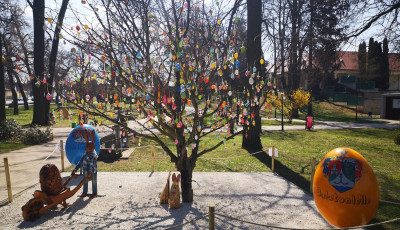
x,y
176,61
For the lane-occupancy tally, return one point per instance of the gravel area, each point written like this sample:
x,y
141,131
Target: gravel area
x,y
131,201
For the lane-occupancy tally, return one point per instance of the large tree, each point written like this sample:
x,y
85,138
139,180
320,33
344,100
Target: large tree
x,y
329,28
178,62
40,117
252,126
41,105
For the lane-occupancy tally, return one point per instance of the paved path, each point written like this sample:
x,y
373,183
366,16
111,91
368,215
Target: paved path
x,y
385,124
25,163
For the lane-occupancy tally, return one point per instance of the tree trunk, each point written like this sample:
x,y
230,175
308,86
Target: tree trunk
x,y
2,86
252,140
40,117
251,137
21,89
186,179
10,76
12,86
310,75
54,51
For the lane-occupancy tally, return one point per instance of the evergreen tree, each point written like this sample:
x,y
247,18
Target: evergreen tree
x,y
362,60
372,66
385,65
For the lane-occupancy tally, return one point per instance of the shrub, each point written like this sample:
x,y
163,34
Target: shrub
x,y
34,135
9,129
397,137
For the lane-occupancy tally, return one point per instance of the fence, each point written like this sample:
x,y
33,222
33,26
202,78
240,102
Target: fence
x,y
211,222
27,183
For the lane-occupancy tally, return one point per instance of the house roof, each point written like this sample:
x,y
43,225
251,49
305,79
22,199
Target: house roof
x,y
349,61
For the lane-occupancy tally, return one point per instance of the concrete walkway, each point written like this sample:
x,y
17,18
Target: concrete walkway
x,y
26,163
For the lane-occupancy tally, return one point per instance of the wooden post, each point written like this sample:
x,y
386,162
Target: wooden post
x,y
152,158
312,174
273,159
8,179
62,155
211,217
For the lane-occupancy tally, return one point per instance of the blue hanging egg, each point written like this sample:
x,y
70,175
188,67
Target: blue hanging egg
x,y
254,69
178,66
237,63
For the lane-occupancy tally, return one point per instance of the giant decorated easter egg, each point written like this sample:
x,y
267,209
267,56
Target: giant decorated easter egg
x,y
76,143
345,188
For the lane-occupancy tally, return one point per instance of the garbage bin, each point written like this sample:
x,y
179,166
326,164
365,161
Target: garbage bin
x,y
73,124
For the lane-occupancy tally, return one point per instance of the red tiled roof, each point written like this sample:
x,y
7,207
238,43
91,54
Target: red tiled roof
x,y
349,61
394,62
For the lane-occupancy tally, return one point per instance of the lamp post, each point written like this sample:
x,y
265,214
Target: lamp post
x,y
356,104
283,98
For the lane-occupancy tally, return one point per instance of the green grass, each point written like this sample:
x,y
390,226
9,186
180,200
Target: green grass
x,y
325,111
25,116
237,159
6,147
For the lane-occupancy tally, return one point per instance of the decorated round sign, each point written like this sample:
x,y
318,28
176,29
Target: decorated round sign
x,y
345,188
76,143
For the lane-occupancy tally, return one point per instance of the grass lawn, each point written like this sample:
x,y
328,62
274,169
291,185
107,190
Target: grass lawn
x,y
6,147
25,116
296,150
325,111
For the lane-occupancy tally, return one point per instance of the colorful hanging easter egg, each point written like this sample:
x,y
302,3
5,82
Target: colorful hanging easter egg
x,y
345,188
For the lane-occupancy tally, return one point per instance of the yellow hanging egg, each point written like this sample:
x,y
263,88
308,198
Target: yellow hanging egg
x,y
86,27
236,55
49,20
262,61
219,22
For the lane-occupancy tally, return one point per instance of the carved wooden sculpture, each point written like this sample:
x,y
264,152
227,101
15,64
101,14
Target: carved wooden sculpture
x,y
50,180
52,193
174,194
165,193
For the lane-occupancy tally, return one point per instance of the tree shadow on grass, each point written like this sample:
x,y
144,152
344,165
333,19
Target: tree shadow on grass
x,y
282,170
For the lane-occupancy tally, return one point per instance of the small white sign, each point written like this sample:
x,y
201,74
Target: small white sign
x,y
396,104
58,150
270,152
